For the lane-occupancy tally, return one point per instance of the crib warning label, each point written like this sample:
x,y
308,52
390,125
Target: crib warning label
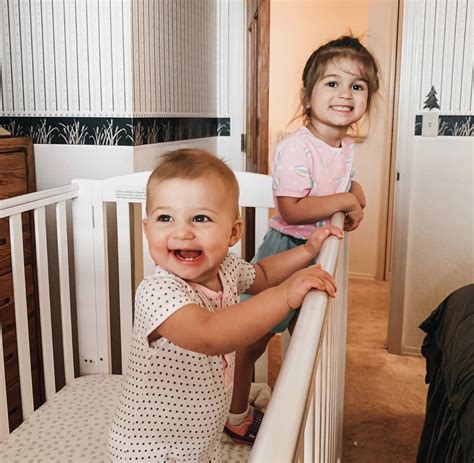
x,y
131,195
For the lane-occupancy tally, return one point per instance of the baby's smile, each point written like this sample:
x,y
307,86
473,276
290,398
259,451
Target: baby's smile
x,y
187,254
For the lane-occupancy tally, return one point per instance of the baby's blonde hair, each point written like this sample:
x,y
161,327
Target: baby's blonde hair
x,y
190,164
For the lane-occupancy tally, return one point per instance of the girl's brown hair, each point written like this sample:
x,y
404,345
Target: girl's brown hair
x,y
348,47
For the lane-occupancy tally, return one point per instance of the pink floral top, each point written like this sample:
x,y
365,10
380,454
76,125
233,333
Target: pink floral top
x,y
306,166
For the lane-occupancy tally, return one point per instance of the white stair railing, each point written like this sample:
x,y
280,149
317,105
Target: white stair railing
x,y
303,421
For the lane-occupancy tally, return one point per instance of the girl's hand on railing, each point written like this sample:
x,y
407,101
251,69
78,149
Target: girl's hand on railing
x,y
353,217
316,239
314,277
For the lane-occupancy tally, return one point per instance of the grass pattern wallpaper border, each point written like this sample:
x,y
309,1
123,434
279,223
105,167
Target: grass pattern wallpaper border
x,y
450,126
116,131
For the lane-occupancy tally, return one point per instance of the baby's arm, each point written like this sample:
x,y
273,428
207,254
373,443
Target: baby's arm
x,y
194,328
275,269
280,285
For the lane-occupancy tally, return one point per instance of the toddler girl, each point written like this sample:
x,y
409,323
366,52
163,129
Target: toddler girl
x,y
188,322
312,173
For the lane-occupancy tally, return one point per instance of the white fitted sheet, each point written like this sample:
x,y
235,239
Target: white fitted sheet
x,y
73,426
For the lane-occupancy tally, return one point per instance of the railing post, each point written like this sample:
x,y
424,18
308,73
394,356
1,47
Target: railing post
x,y
91,271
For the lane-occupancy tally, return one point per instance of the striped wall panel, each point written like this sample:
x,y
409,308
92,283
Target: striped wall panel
x,y
118,58
175,59
66,57
446,54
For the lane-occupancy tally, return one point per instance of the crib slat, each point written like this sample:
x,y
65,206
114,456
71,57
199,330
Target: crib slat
x,y
317,394
342,278
63,262
327,391
102,284
261,225
148,264
21,314
332,364
44,302
309,434
4,428
125,279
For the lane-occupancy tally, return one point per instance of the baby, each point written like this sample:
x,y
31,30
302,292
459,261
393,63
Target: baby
x,y
188,320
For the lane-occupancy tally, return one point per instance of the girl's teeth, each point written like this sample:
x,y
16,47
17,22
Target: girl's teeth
x,y
342,108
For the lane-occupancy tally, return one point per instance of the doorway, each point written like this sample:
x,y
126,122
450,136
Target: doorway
x,y
255,140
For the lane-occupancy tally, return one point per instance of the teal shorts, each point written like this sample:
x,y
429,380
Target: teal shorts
x,y
275,242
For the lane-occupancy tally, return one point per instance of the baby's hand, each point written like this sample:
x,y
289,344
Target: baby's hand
x,y
297,286
316,239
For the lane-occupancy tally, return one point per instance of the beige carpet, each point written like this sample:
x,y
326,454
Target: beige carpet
x,y
384,394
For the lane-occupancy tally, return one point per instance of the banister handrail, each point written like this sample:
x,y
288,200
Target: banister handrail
x,y
30,201
280,428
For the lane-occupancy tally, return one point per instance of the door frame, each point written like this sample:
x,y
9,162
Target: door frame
x,y
262,84
403,142
255,141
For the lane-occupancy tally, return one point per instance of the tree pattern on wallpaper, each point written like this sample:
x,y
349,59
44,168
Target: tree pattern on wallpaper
x,y
449,125
431,101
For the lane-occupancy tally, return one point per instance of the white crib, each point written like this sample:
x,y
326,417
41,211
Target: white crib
x,y
106,265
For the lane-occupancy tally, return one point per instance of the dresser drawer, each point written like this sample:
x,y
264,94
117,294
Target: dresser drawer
x,y
7,307
13,180
10,354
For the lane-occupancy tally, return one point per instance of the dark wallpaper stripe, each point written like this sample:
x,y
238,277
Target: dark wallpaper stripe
x,y
450,126
119,131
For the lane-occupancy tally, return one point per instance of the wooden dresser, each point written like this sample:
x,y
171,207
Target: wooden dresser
x,y
17,176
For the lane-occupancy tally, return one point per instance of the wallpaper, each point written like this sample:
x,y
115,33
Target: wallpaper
x,y
445,65
114,71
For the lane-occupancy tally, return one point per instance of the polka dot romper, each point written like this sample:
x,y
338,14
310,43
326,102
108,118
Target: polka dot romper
x,y
174,402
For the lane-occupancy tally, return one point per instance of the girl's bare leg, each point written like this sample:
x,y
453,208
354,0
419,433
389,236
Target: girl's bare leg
x,y
244,364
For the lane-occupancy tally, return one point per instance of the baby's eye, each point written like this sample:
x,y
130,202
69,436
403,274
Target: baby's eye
x,y
164,218
332,84
201,218
358,87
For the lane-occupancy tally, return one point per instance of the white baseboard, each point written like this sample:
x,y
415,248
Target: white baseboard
x,y
412,351
361,276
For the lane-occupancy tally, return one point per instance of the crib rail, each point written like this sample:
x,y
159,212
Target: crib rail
x,y
303,421
12,209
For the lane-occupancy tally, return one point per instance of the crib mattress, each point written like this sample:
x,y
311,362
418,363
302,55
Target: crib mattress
x,y
73,426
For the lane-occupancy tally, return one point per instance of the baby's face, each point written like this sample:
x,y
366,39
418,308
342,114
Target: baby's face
x,y
190,226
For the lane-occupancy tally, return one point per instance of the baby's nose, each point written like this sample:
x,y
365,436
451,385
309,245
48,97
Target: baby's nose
x,y
183,231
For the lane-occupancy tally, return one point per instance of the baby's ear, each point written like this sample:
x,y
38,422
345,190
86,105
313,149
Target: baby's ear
x,y
144,227
236,232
